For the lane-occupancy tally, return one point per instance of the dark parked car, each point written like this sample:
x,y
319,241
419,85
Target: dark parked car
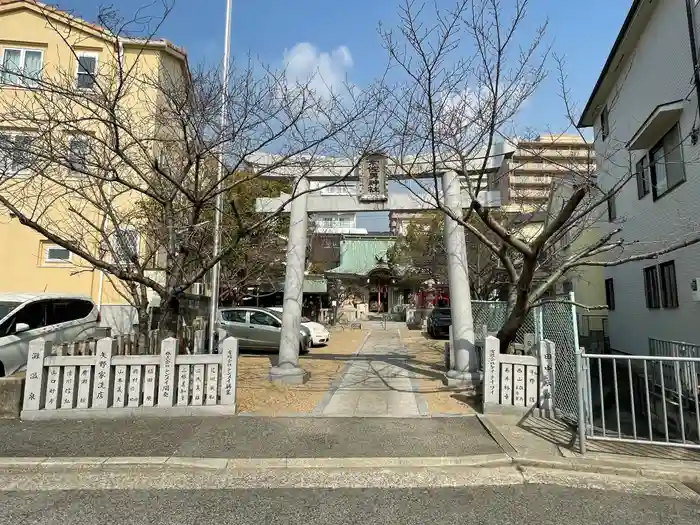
x,y
439,322
258,328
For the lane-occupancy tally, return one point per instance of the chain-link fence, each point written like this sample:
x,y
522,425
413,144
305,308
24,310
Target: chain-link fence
x,y
554,320
493,314
559,325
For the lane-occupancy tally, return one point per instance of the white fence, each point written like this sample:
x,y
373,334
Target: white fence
x,y
518,383
109,385
663,348
648,399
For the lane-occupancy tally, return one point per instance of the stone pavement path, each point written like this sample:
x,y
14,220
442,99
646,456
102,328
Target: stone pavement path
x,y
374,383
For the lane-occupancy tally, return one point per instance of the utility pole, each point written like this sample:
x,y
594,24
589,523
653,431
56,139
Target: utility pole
x,y
216,270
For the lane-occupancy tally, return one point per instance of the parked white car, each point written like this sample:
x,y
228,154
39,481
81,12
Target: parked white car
x,y
57,318
319,333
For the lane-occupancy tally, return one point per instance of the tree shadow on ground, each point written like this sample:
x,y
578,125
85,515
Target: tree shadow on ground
x,y
473,401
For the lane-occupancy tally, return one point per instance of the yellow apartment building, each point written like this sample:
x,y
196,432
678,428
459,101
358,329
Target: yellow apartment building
x,y
587,282
38,45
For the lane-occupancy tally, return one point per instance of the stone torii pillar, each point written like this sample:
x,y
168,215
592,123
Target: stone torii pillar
x,y
288,369
464,369
372,195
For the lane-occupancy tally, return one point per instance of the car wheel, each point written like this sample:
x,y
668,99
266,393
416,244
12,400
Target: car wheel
x,y
2,370
303,350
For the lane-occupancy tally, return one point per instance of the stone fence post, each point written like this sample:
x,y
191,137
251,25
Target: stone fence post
x,y
229,369
166,379
492,370
35,382
518,383
547,374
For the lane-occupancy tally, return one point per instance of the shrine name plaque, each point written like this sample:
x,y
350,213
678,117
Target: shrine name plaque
x,y
373,179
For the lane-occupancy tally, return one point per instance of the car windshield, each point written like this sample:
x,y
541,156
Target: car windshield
x,y
6,308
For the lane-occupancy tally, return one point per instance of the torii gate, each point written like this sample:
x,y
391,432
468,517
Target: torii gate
x,y
373,195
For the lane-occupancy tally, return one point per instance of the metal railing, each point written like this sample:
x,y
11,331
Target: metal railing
x,y
664,348
634,399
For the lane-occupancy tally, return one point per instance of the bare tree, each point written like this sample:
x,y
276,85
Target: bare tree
x,y
419,254
121,165
467,74
468,70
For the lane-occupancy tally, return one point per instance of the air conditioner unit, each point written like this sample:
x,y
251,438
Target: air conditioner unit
x,y
198,288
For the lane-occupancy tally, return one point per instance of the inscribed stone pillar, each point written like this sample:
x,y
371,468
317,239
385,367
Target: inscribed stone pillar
x,y
287,369
464,369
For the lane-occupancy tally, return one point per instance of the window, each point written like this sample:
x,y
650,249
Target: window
x,y
6,307
53,253
233,316
15,152
642,173
87,70
612,209
610,294
66,310
666,163
78,150
263,319
125,245
651,287
604,123
669,290
33,314
21,67
7,327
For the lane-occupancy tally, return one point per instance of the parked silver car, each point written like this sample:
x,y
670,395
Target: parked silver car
x,y
58,318
258,328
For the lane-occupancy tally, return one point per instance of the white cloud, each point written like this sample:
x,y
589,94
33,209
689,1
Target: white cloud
x,y
325,72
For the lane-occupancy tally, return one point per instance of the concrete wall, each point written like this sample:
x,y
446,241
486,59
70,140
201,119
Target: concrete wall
x,y
657,71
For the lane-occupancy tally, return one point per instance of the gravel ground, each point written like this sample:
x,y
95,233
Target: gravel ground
x,y
427,363
255,393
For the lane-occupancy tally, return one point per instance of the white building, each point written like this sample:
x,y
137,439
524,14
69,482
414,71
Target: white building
x,y
341,223
644,111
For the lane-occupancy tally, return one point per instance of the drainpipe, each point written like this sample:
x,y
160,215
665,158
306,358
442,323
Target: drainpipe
x,y
100,287
689,9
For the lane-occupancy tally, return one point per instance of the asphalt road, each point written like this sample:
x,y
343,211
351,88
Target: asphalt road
x,y
498,496
247,437
522,504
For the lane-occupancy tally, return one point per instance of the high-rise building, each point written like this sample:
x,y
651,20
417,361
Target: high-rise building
x,y
535,164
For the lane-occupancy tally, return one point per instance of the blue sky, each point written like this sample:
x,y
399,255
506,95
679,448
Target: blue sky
x,y
582,32
341,38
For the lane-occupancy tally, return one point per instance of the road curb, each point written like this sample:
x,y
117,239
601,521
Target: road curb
x,y
636,469
683,473
479,461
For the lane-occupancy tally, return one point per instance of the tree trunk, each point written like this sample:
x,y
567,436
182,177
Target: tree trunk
x,y
506,334
143,329
517,305
169,315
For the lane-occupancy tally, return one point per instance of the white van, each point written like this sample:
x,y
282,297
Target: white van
x,y
57,318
